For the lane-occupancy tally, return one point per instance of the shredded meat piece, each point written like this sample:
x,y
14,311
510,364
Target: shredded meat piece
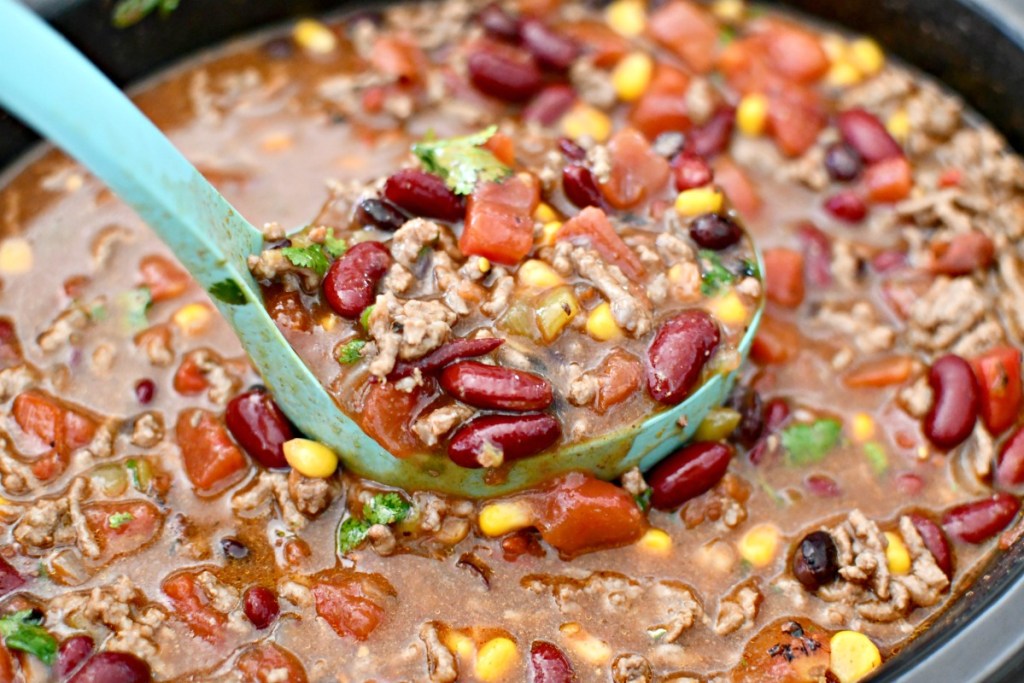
x,y
272,265
416,234
147,430
268,488
312,495
442,667
16,379
156,343
593,85
64,327
926,581
451,282
106,240
501,292
632,669
677,607
860,324
916,398
441,421
700,100
16,476
583,386
631,312
83,536
808,169
949,308
613,591
674,250
633,482
1010,284
224,599
398,280
600,162
406,329
294,592
738,610
45,524
382,539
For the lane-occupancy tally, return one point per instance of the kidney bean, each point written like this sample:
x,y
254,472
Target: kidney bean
x,y
72,653
256,423
380,214
713,137
512,436
570,150
678,353
496,388
504,72
847,206
816,561
550,105
261,606
580,187
962,255
690,171
233,548
687,473
817,251
548,664
454,350
499,23
549,48
862,131
10,579
955,404
113,667
886,261
715,231
776,412
980,520
1010,467
751,409
822,486
144,391
935,540
423,194
842,163
351,282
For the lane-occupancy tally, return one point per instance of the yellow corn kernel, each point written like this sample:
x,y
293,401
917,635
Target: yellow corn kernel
x,y
835,46
843,74
655,542
584,121
698,201
313,36
495,659
4,501
503,517
601,323
867,56
729,11
896,554
539,275
483,264
193,319
589,648
15,256
898,125
460,644
759,545
632,75
627,17
718,424
544,213
863,427
730,309
853,656
548,232
752,114
310,459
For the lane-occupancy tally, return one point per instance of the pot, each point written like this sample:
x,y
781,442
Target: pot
x,y
974,46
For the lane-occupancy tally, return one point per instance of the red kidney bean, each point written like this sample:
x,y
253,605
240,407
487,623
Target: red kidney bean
x,y
715,231
423,194
964,254
514,436
113,667
144,391
1010,467
499,23
886,261
687,473
10,579
751,409
72,653
980,520
817,251
256,423
690,171
935,540
380,214
776,412
816,560
955,403
549,48
842,163
822,486
496,388
233,548
454,350
550,105
847,206
570,150
351,282
504,72
261,606
681,348
862,131
712,138
580,187
548,664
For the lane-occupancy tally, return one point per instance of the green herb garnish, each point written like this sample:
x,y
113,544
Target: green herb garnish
x,y
386,508
351,534
714,275
119,519
23,631
335,246
130,12
807,443
229,292
748,268
461,162
131,307
643,499
311,256
364,317
350,352
876,457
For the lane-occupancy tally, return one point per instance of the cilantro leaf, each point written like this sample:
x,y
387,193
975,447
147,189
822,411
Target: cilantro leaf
x,y
750,268
386,508
364,317
807,443
876,457
130,12
228,291
351,534
643,499
461,162
714,275
350,352
119,519
335,246
311,257
22,631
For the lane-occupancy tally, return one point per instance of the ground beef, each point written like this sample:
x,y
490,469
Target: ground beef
x,y
267,489
676,608
859,323
16,379
738,610
106,240
64,328
592,85
399,279
221,376
439,422
409,240
916,398
501,291
406,329
273,266
312,495
382,539
949,308
442,667
156,342
632,312
632,669
147,430
446,520
16,476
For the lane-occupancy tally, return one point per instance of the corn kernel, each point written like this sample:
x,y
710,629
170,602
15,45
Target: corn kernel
x,y
853,656
863,427
752,114
310,459
896,554
589,648
627,17
730,309
718,424
544,213
460,644
539,275
15,256
193,319
655,542
483,264
313,36
495,659
548,232
632,75
729,11
699,200
835,46
867,56
898,125
584,121
758,546
498,519
601,323
843,74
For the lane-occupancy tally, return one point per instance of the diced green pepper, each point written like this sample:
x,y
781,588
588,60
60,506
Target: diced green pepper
x,y
555,309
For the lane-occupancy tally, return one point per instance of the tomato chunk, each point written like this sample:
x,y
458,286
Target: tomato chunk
x,y
61,427
164,278
796,115
776,342
499,220
353,603
784,276
591,226
398,56
786,651
258,662
998,373
737,187
637,172
687,30
883,372
193,607
211,458
189,379
386,416
889,180
662,108
619,377
604,46
123,527
794,53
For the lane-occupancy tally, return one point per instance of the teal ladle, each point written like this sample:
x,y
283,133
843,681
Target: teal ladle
x,y
53,88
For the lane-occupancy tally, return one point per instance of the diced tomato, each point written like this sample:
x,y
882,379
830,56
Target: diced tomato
x,y
190,379
786,651
637,172
591,226
386,416
776,341
618,379
796,116
399,57
951,177
737,186
164,278
889,180
963,254
662,108
882,372
353,603
998,372
193,607
784,276
502,147
62,428
122,527
258,662
687,30
7,671
10,347
287,310
579,513
211,458
499,220
794,53
744,63
604,46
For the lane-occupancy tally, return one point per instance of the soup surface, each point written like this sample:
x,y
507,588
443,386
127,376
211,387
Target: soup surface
x,y
521,229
